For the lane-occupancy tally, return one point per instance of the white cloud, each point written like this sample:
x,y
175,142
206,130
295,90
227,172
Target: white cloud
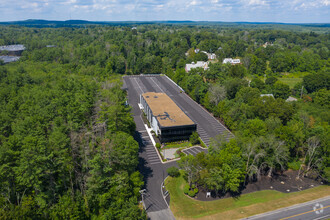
x,y
325,2
257,2
309,5
69,2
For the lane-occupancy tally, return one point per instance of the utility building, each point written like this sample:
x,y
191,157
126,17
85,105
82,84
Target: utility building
x,y
168,121
13,50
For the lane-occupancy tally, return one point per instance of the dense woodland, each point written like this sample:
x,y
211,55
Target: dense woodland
x,y
66,145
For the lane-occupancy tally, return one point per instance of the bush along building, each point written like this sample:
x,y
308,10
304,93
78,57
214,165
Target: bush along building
x,y
168,121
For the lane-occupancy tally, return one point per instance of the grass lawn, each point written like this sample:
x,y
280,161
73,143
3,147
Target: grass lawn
x,y
290,81
184,207
178,145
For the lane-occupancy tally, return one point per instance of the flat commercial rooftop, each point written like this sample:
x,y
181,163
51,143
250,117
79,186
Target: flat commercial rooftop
x,y
165,110
15,47
9,59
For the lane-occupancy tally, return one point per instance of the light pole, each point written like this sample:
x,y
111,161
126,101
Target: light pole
x,y
143,191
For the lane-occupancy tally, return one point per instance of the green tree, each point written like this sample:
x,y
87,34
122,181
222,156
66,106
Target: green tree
x,y
233,86
276,154
216,93
281,90
194,138
173,171
188,164
271,81
257,83
322,97
314,82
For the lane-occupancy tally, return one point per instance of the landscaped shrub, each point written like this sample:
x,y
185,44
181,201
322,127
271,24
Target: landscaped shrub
x,y
186,189
196,190
191,193
294,165
194,138
180,153
158,146
173,171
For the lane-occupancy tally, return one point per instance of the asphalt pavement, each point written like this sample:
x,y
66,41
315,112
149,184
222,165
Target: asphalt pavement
x,y
316,210
194,150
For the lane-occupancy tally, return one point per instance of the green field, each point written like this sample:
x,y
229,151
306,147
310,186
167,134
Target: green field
x,y
184,207
290,81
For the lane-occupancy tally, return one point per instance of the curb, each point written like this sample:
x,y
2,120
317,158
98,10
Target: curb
x,y
161,188
154,144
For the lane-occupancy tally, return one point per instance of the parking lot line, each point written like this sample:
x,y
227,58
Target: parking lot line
x,y
138,84
154,163
153,159
157,85
194,150
192,153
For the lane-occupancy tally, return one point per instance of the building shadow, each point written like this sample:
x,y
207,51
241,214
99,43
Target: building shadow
x,y
143,168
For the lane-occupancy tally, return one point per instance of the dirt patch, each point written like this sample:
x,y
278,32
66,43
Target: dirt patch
x,y
285,183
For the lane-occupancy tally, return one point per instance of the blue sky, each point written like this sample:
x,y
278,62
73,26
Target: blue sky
x,y
287,11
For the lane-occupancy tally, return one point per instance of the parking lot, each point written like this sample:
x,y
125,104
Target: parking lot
x,y
207,126
194,150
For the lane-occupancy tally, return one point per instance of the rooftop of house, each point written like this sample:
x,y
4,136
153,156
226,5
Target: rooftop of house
x,y
16,47
167,113
9,59
192,65
291,99
269,95
231,60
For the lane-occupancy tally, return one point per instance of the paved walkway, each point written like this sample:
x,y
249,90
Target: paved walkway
x,y
164,214
169,153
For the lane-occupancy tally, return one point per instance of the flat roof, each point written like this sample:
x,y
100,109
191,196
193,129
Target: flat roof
x,y
15,47
9,59
168,114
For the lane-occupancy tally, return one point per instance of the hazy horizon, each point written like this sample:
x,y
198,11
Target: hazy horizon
x,y
141,21
277,11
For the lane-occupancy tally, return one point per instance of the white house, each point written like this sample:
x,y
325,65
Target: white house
x,y
231,61
268,95
291,99
193,65
210,56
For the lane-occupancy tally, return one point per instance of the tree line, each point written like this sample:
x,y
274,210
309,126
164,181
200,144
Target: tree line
x,y
67,150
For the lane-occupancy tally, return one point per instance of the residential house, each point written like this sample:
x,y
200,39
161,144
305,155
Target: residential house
x,y
210,56
193,65
231,61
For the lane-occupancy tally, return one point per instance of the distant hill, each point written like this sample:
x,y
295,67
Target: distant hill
x,y
81,23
